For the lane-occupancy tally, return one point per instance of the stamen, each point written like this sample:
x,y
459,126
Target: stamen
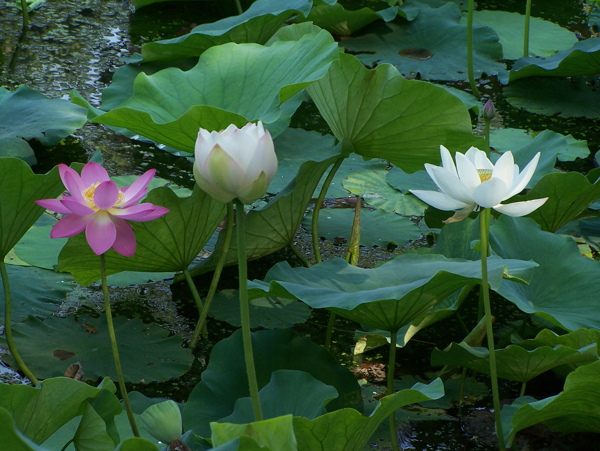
x,y
88,194
484,174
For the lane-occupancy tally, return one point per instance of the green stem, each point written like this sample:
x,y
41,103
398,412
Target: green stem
x,y
115,349
329,332
8,326
486,136
526,28
470,70
523,386
25,13
201,325
318,203
484,227
245,309
195,295
238,5
390,388
300,256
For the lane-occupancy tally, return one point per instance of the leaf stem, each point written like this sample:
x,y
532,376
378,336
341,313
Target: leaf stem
x,y
484,228
470,70
526,29
245,309
12,347
201,325
25,13
115,349
318,203
238,6
390,388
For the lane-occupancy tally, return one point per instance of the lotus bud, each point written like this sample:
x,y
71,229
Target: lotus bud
x,y
235,163
489,110
163,421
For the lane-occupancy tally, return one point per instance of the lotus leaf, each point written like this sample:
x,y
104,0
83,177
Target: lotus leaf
x,y
272,434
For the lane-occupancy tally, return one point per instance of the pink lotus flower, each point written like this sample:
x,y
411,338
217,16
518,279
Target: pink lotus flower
x,y
98,206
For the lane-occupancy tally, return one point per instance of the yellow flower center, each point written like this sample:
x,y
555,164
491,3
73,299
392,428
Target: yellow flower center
x,y
484,174
88,196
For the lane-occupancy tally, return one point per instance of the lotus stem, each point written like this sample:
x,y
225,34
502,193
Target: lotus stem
x,y
470,70
390,388
523,386
115,348
25,13
195,294
201,325
8,326
318,202
245,310
300,256
526,29
238,6
484,227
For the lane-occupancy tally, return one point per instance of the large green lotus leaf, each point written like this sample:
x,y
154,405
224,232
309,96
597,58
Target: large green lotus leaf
x,y
575,339
391,295
267,312
513,362
573,97
147,351
434,45
39,411
342,22
375,113
563,288
270,434
12,438
137,444
504,139
27,114
257,24
404,182
169,243
19,188
545,37
575,409
377,228
274,226
348,430
232,83
91,434
224,380
41,298
373,187
580,60
456,240
288,392
569,195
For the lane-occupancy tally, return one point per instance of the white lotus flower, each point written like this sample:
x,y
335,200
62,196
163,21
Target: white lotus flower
x,y
475,182
235,163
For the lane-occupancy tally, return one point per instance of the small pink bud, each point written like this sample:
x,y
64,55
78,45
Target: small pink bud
x,y
489,110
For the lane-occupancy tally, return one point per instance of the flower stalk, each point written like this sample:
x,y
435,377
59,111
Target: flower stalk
x,y
484,229
245,310
470,69
390,388
526,28
115,348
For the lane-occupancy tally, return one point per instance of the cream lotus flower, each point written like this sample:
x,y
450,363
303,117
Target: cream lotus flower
x,y
235,163
475,182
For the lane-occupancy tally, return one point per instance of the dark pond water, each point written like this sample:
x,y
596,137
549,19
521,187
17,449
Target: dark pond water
x,y
78,45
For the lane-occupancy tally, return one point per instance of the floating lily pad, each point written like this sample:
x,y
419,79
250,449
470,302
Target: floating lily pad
x,y
147,351
375,113
545,37
257,24
378,228
574,409
232,83
224,381
26,114
555,96
434,46
267,312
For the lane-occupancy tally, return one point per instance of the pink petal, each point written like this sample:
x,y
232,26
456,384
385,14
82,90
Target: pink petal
x,y
125,242
140,213
76,207
53,205
137,189
93,173
100,232
73,183
69,225
106,195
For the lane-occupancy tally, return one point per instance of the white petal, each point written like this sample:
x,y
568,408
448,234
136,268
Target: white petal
x,y
520,208
447,161
479,158
523,178
504,169
467,172
450,184
439,200
490,193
